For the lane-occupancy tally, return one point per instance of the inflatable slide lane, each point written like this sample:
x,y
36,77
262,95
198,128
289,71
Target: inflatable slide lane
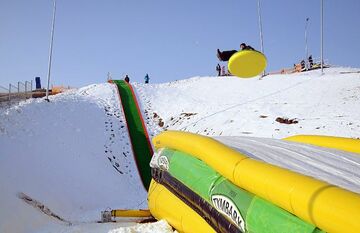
x,y
201,185
138,134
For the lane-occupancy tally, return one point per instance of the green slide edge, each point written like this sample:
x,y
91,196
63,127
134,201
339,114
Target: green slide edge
x,y
138,136
258,214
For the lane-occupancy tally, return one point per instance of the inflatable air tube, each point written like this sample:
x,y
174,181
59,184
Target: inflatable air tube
x,y
339,143
328,207
214,218
165,205
130,213
248,212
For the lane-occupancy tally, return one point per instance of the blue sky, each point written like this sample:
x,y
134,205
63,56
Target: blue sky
x,y
169,39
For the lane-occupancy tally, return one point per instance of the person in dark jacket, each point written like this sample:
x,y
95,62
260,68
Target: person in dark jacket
x,y
146,78
218,69
311,61
127,79
225,55
244,46
302,63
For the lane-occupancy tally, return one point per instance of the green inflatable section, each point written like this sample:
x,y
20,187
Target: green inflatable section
x,y
141,147
249,212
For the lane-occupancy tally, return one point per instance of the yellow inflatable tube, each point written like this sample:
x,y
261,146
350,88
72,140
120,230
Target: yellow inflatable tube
x,y
165,205
345,144
331,208
130,213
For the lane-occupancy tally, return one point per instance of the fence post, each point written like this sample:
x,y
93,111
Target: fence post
x,y
30,88
26,90
9,92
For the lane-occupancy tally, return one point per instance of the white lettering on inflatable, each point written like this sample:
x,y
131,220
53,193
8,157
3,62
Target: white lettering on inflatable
x,y
225,206
163,163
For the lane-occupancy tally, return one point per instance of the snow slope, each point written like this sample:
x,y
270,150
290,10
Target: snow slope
x,y
73,154
322,104
64,154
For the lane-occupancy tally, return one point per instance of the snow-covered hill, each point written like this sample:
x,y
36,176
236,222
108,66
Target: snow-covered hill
x,y
73,154
322,104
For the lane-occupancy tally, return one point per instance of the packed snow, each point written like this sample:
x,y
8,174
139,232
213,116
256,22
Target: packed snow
x,y
228,106
72,157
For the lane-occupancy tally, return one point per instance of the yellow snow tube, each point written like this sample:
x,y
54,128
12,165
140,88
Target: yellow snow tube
x,y
331,208
247,63
165,205
339,143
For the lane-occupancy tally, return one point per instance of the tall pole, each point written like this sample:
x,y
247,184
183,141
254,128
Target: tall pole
x,y
260,29
261,32
306,44
50,52
322,37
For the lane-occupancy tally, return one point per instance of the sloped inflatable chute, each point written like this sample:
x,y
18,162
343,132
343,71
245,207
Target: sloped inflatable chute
x,y
139,137
244,212
328,207
247,63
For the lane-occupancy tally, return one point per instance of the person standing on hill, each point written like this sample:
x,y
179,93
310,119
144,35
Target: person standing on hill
x,y
146,78
311,61
218,69
302,63
127,79
223,71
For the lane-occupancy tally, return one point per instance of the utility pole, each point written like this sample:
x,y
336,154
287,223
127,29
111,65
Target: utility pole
x,y
306,44
322,37
51,48
260,28
261,32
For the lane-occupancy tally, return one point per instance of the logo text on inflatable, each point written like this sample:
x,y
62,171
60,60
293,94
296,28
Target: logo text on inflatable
x,y
163,163
224,205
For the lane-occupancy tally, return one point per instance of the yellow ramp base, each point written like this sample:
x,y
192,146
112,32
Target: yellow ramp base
x,y
165,205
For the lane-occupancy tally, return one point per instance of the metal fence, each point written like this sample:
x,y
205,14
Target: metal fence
x,y
15,93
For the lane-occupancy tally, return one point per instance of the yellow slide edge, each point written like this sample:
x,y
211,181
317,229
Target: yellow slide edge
x,y
339,143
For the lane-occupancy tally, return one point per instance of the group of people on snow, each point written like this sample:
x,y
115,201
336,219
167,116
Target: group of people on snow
x,y
222,71
302,65
146,78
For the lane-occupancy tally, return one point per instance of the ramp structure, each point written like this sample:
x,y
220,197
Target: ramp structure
x,y
254,196
138,134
